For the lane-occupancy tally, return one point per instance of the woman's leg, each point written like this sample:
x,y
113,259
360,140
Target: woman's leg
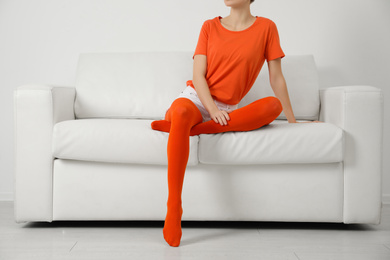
x,y
252,116
182,115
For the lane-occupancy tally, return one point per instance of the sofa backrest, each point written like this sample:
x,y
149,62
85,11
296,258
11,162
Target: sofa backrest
x,y
144,84
300,73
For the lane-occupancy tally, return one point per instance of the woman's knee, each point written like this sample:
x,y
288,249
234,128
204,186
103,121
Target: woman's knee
x,y
181,112
183,109
274,104
268,106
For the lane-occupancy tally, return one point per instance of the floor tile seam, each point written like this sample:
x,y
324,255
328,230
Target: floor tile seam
x,y
73,246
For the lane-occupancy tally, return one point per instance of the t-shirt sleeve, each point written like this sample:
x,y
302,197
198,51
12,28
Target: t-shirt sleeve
x,y
201,47
273,49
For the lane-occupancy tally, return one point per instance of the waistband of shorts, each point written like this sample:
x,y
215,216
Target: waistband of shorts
x,y
192,90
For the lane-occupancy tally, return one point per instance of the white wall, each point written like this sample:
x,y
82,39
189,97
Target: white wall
x,y
41,40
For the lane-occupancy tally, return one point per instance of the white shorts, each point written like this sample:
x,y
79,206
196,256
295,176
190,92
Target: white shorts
x,y
190,93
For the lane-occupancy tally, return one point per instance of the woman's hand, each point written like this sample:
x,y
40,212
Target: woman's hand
x,y
220,116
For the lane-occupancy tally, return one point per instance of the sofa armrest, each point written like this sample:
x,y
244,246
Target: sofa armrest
x,y
358,110
37,108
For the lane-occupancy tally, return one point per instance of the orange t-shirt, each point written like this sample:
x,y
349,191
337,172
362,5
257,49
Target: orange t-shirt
x,y
234,58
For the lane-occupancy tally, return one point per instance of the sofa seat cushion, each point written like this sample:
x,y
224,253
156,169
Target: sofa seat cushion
x,y
114,140
278,142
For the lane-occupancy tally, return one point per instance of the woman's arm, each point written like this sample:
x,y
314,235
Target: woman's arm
x,y
279,87
203,91
200,83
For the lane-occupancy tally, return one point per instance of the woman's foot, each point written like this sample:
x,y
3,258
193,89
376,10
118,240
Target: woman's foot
x,y
172,226
161,125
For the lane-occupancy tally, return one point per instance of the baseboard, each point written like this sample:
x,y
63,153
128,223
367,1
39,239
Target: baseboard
x,y
9,196
6,196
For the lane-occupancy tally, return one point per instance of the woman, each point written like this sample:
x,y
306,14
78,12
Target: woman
x,y
227,60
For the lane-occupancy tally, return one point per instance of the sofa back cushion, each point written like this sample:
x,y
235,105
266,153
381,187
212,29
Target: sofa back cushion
x,y
130,85
144,84
300,73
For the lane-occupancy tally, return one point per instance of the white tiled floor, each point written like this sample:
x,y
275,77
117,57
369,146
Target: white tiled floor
x,y
200,240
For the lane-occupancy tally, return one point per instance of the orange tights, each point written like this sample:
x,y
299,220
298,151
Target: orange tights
x,y
182,120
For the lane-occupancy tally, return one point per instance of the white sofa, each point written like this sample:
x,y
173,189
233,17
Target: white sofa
x,y
88,152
